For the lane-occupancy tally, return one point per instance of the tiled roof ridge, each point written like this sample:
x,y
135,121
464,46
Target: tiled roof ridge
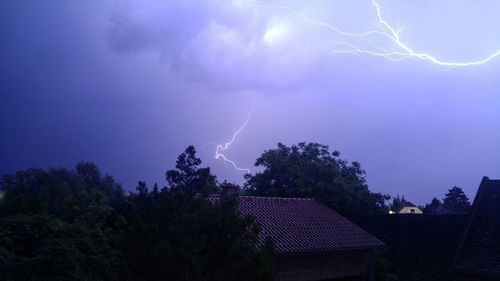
x,y
408,204
303,225
278,198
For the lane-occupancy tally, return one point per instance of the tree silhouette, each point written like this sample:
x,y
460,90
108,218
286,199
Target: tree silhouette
x,y
182,233
189,177
311,170
456,201
397,203
61,224
433,207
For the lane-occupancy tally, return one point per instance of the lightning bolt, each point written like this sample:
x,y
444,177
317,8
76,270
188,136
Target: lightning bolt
x,y
408,52
400,50
223,147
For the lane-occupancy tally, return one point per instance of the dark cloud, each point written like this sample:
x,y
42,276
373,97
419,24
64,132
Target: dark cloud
x,y
212,43
129,84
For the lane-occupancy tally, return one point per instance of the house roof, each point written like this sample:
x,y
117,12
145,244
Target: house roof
x,y
479,251
301,225
405,204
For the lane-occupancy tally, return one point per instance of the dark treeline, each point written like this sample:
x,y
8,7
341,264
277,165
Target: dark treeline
x,y
62,224
454,202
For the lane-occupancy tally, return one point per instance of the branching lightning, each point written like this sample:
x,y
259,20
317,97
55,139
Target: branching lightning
x,y
395,36
367,43
223,147
398,50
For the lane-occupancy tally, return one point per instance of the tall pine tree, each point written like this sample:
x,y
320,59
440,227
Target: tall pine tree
x,y
456,201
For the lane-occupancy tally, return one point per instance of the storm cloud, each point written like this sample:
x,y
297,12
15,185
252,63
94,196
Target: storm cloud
x,y
129,84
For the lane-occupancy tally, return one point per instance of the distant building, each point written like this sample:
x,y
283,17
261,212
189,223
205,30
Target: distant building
x,y
478,256
445,247
408,208
312,241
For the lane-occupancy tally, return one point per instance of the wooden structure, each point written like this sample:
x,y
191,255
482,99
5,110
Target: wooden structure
x,y
312,241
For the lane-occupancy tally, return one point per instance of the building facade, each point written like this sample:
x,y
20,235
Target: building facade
x,y
312,241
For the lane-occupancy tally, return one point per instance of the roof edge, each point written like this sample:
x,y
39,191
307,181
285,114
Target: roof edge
x,y
346,249
278,198
475,203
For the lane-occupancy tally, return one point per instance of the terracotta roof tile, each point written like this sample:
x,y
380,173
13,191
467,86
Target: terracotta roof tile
x,y
300,225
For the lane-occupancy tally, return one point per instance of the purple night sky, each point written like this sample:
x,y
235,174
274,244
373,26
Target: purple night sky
x,y
129,84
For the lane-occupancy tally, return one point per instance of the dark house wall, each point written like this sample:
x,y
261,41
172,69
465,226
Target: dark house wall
x,y
419,247
351,265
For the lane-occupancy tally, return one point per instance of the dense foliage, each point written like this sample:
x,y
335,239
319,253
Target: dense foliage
x,y
61,224
41,247
311,170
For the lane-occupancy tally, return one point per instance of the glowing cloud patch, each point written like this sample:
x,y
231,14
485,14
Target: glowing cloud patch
x,y
275,34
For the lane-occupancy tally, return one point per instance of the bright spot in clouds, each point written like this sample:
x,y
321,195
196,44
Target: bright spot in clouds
x,y
275,34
